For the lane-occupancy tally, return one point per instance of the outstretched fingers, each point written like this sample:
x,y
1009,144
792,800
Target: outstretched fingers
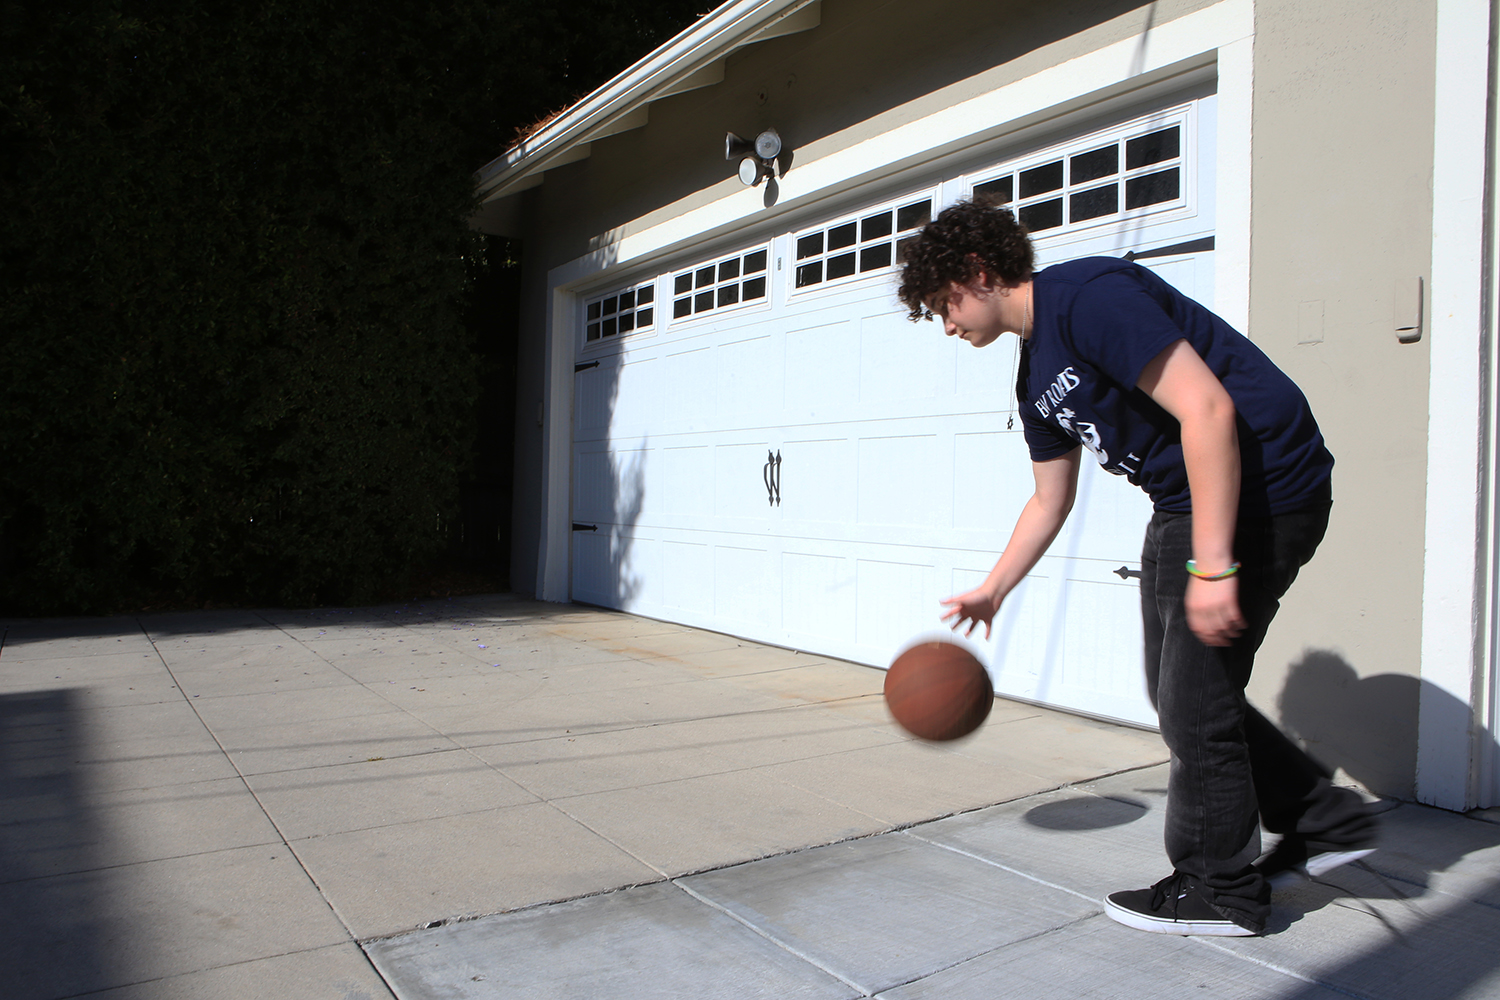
x,y
964,608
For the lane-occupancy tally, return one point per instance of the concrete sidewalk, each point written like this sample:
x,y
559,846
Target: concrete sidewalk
x,y
490,797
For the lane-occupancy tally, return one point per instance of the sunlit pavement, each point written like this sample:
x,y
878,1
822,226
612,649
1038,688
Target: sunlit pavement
x,y
489,797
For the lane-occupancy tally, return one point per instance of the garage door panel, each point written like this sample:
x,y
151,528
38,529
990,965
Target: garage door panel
x,y
617,568
750,379
743,587
593,396
686,402
818,596
992,479
822,371
818,480
894,602
688,583
1104,632
592,485
641,578
902,362
986,373
1069,635
686,471
898,482
632,405
739,489
1027,640
593,568
610,486
1108,520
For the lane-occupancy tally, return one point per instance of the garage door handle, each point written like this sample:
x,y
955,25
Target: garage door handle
x,y
770,474
1191,246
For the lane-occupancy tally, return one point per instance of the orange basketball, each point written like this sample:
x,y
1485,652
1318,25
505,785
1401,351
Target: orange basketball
x,y
938,691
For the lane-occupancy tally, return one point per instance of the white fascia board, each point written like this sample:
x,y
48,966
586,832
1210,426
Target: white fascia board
x,y
1454,587
694,51
962,125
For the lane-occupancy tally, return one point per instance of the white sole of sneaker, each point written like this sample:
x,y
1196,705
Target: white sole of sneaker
x,y
1155,925
1317,866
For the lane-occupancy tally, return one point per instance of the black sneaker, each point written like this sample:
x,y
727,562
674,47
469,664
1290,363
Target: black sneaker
x,y
1296,858
1175,905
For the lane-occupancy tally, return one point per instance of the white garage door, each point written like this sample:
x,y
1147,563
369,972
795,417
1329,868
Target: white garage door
x,y
765,446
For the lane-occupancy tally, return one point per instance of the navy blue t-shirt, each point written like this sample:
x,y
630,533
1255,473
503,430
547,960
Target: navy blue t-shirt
x,y
1098,322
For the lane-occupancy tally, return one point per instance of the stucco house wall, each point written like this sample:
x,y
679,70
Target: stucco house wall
x,y
1341,235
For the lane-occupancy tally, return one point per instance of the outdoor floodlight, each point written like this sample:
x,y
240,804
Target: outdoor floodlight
x,y
757,159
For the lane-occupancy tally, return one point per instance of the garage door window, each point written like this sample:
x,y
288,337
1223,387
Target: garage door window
x,y
722,284
620,312
870,242
1132,171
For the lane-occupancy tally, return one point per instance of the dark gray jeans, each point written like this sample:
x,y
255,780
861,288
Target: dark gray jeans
x,y
1232,770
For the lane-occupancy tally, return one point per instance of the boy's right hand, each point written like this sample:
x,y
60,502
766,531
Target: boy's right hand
x,y
976,606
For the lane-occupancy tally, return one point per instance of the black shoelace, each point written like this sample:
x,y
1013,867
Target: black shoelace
x,y
1173,887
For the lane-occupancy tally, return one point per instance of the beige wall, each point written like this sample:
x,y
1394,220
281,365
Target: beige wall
x,y
1341,225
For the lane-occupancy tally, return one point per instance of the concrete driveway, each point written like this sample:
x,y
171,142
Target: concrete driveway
x,y
491,797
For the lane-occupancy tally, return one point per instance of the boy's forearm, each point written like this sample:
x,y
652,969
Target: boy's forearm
x,y
1211,454
1035,531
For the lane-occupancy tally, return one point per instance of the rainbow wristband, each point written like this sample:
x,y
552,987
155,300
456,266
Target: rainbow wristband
x,y
1192,569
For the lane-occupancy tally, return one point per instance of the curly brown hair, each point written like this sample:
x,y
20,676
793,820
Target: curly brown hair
x,y
964,239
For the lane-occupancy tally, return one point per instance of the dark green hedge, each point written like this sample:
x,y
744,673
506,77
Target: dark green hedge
x,y
233,274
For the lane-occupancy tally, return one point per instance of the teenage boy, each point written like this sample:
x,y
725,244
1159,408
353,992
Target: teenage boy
x,y
1165,393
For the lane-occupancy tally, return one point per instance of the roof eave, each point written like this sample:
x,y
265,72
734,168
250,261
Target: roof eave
x,y
693,51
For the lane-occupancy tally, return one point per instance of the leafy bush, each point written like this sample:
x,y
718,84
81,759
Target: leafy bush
x,y
233,273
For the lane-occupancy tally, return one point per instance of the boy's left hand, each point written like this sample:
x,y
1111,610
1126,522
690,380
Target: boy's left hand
x,y
1213,610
